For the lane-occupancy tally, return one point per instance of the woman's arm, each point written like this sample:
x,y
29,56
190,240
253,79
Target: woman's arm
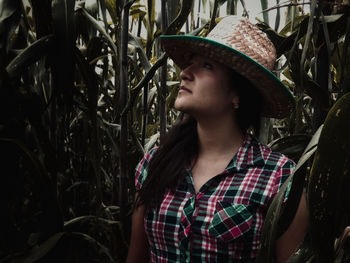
x,y
138,249
294,235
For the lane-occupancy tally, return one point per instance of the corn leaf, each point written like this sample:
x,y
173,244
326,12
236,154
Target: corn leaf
x,y
328,186
179,21
9,19
98,27
32,53
270,229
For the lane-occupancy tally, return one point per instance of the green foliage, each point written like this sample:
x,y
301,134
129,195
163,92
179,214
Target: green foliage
x,y
328,194
311,45
272,226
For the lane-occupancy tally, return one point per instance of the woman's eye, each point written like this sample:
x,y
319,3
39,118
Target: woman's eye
x,y
208,65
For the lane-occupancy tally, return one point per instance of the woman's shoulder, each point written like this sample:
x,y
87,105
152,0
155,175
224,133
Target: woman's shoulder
x,y
270,156
275,164
142,167
149,154
144,162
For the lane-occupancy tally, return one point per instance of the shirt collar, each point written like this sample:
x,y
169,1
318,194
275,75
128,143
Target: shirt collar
x,y
249,154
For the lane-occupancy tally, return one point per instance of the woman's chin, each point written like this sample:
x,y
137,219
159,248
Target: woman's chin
x,y
180,103
181,107
184,105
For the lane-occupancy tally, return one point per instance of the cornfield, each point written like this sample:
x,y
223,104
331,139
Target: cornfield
x,y
86,90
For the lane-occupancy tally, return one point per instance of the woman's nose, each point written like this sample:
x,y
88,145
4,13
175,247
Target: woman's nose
x,y
187,73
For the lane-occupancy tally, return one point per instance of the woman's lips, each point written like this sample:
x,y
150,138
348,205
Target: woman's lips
x,y
185,89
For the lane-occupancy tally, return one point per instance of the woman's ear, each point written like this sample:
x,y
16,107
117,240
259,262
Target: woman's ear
x,y
235,102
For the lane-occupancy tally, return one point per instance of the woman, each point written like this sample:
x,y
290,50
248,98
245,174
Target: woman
x,y
203,194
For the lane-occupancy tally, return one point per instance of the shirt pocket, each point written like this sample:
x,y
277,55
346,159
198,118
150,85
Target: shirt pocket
x,y
230,221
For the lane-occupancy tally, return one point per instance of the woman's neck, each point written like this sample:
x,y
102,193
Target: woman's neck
x,y
219,136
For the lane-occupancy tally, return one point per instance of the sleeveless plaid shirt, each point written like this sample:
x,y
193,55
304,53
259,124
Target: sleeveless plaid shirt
x,y
223,221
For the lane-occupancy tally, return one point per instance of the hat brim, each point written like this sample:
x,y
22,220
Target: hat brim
x,y
277,100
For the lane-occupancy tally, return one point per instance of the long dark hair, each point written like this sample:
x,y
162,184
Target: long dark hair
x,y
169,162
248,113
180,145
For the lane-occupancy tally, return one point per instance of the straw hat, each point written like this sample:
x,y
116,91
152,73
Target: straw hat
x,y
242,46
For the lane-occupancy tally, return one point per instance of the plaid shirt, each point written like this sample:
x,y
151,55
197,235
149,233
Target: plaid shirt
x,y
223,221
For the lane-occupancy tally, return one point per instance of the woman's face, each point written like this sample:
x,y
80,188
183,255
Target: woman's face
x,y
205,89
